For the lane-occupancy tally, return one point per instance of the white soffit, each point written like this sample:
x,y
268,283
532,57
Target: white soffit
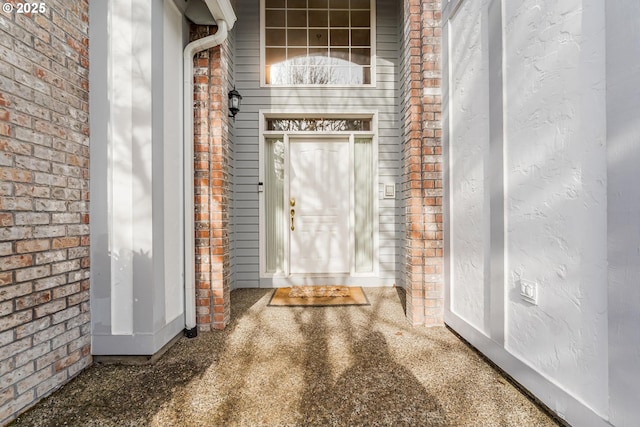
x,y
207,12
222,10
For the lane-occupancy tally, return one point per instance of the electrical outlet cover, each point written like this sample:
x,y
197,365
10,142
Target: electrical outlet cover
x,y
389,191
529,291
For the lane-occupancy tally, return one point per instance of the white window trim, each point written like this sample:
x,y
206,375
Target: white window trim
x,y
350,136
329,86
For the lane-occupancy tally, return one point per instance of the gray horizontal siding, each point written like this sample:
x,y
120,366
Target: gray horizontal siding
x,y
381,98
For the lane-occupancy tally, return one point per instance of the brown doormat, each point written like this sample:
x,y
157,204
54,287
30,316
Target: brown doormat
x,y
318,296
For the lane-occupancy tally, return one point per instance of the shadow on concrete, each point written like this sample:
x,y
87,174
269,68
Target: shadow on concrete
x,y
402,296
373,390
376,390
298,366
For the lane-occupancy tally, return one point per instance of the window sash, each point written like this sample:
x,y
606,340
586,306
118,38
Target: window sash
x,y
274,205
315,42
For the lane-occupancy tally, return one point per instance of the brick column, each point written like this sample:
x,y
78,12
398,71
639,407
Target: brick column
x,y
211,181
422,154
432,175
412,100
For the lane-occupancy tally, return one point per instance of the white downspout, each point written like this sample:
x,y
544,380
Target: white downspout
x,y
189,215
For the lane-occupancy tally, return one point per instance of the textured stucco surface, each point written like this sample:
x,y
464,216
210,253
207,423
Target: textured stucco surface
x,y
469,151
527,122
556,191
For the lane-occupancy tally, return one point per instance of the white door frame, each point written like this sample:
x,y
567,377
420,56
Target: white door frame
x,y
283,278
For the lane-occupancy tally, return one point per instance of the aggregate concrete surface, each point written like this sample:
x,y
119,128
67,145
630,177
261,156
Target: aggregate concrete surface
x,y
299,366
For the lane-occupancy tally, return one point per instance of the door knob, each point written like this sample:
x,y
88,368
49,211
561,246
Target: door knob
x,y
292,202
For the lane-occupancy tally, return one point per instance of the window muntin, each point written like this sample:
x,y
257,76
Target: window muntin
x,y
318,125
318,42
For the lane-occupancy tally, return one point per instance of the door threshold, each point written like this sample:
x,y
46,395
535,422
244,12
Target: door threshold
x,y
324,280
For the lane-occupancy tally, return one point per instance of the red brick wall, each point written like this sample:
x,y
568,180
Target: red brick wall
x,y
432,174
44,234
212,162
422,154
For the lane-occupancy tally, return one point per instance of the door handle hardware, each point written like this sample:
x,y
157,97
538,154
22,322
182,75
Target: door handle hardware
x,y
293,214
292,202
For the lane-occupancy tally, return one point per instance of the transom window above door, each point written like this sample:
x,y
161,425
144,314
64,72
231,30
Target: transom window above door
x,y
318,42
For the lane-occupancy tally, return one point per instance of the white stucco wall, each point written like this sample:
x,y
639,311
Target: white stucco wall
x,y
120,166
566,110
623,146
173,243
555,129
137,283
469,151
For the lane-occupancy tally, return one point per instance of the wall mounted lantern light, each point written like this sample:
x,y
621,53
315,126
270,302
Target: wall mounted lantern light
x,y
234,103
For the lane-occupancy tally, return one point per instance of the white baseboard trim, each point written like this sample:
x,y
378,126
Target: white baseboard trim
x,y
565,406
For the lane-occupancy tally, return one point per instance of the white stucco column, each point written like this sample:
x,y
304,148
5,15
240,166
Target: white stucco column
x,y
136,176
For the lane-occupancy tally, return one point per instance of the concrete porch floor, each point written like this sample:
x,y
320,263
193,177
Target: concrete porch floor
x,y
359,365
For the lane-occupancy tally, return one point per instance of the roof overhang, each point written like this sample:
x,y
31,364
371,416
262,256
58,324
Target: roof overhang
x,y
208,12
222,10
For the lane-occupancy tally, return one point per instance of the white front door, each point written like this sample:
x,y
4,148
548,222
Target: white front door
x,y
319,212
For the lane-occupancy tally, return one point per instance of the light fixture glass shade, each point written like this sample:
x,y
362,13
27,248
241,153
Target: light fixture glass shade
x,y
234,102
